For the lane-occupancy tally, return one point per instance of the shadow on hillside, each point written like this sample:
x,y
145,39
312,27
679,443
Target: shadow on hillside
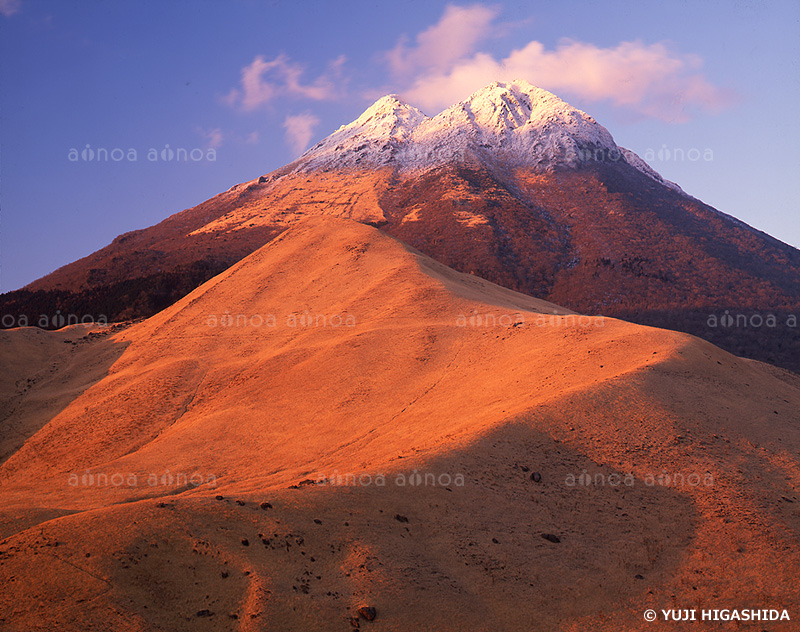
x,y
771,336
441,555
475,531
38,390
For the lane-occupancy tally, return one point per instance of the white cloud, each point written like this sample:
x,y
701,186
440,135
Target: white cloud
x,y
10,7
652,80
214,137
264,80
456,34
299,130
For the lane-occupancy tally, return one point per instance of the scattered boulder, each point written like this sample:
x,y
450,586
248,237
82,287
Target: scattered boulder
x,y
204,613
241,503
400,518
551,538
536,477
218,497
266,506
245,542
303,483
367,612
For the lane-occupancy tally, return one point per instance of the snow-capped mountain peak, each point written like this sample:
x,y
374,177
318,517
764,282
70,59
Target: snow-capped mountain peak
x,y
372,139
506,124
519,104
515,123
388,117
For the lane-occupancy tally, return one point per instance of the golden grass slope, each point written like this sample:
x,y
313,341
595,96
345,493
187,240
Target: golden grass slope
x,y
353,358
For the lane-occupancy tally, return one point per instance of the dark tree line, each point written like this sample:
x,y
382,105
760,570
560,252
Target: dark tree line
x,y
124,300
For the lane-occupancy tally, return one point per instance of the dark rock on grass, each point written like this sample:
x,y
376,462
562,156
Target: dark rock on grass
x,y
551,538
400,518
266,506
367,612
204,613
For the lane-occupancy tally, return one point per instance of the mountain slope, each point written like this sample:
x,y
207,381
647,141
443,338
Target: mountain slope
x,y
513,185
138,506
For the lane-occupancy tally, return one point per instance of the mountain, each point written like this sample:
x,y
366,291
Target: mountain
x,y
505,125
339,422
513,185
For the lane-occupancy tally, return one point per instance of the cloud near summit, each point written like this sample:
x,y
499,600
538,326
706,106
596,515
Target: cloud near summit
x,y
299,130
438,47
443,66
10,7
264,80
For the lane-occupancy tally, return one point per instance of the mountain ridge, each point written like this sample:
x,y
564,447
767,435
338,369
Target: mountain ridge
x,y
518,123
596,235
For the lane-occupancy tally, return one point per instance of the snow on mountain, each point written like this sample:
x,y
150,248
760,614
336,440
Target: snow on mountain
x,y
372,139
512,124
634,160
515,123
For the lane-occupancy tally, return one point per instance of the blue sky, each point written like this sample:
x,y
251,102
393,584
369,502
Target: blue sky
x,y
243,86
